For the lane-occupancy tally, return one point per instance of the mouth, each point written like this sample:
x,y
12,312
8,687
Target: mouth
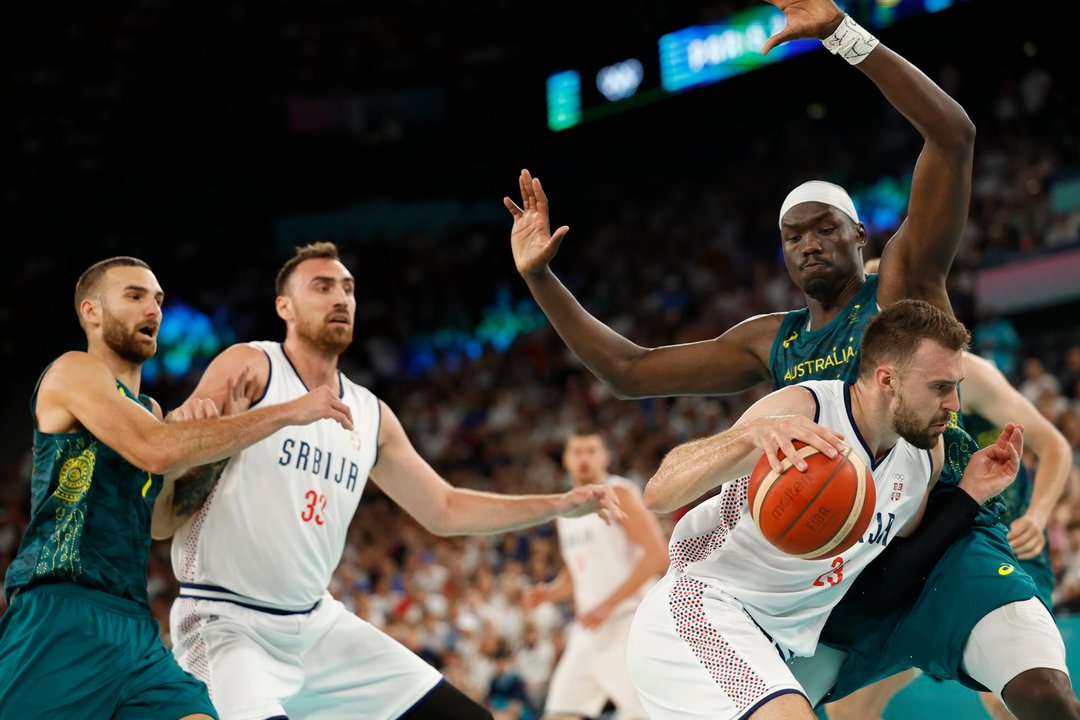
x,y
814,264
339,321
148,331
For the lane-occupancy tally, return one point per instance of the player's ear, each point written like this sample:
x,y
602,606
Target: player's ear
x,y
284,307
90,312
886,379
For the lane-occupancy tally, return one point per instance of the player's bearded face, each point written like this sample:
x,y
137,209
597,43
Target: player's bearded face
x,y
330,332
915,427
135,343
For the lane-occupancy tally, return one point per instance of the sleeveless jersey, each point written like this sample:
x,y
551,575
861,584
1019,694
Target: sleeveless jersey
x,y
788,597
830,352
90,514
273,529
599,557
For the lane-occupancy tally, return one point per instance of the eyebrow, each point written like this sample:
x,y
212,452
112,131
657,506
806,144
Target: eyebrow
x,y
327,278
143,288
812,220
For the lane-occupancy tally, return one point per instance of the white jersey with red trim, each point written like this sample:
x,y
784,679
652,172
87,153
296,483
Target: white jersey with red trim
x,y
718,543
273,529
598,556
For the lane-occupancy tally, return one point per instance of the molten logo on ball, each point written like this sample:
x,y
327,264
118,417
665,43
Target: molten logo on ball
x,y
816,514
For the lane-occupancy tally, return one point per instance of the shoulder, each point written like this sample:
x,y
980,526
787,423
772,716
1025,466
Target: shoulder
x,y
155,408
756,333
74,367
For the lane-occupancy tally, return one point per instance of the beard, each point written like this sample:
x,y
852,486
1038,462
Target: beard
x,y
910,426
327,339
125,342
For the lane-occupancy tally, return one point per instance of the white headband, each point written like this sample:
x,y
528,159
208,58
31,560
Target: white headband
x,y
822,192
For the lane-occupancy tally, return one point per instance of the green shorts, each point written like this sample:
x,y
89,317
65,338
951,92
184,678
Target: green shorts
x,y
1040,571
71,652
979,573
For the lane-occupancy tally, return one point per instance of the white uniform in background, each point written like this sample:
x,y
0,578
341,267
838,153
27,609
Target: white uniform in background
x,y
712,639
254,620
593,668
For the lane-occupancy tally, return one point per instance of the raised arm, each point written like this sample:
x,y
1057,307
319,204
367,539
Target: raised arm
x,y
769,425
446,510
79,390
733,362
917,259
985,391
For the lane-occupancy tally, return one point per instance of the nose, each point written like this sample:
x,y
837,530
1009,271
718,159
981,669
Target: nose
x,y
952,401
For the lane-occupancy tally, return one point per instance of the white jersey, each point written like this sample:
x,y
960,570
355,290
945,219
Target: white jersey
x,y
273,529
718,543
598,556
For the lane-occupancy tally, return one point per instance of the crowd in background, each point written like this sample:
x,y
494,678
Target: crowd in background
x,y
678,262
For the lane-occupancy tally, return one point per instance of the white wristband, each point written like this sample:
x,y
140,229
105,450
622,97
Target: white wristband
x,y
850,41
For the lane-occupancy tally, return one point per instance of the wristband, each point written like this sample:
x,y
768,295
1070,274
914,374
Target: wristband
x,y
850,41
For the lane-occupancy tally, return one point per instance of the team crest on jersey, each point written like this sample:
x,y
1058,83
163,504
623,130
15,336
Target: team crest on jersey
x,y
355,441
790,340
853,316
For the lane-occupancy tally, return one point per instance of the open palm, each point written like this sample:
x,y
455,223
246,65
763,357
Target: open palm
x,y
531,238
805,19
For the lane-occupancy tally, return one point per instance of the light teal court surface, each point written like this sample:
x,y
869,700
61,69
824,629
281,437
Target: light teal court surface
x,y
925,699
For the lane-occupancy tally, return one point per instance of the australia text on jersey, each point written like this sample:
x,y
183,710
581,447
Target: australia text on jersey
x,y
308,458
816,365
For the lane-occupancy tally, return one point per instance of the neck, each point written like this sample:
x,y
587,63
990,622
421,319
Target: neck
x,y
579,481
870,411
123,370
314,367
823,311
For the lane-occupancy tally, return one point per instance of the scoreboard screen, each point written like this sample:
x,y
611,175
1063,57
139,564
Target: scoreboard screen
x,y
697,56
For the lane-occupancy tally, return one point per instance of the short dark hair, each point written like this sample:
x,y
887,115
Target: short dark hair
x,y
320,250
88,282
895,333
587,431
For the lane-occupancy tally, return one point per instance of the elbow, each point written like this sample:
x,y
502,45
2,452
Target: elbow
x,y
440,520
652,498
958,134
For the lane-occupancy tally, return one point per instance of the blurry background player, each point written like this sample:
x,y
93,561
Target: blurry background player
x,y
78,640
732,629
606,571
821,241
255,620
987,403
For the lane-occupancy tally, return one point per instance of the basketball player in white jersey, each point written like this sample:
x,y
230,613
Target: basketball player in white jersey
x,y
254,619
730,631
606,571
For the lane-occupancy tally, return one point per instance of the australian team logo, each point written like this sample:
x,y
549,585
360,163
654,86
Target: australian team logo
x,y
76,474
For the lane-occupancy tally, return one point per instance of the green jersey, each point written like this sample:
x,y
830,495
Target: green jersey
x,y
90,515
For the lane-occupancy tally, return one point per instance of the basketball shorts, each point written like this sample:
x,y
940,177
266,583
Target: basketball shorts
x,y
75,653
695,653
592,670
977,575
323,664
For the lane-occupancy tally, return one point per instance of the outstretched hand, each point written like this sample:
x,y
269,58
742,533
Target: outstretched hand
x,y
775,434
994,468
239,393
531,238
805,19
599,499
193,409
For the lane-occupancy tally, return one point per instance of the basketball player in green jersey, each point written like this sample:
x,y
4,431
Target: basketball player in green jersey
x,y
822,243
988,401
78,639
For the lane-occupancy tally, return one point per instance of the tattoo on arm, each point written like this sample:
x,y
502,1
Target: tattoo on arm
x,y
193,487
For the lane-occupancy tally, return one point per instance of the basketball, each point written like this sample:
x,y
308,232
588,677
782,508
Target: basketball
x,y
816,514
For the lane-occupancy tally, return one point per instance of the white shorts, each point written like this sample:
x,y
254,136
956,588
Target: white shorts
x,y
319,665
593,670
1013,638
695,653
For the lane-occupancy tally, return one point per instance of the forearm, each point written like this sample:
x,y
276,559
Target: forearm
x,y
691,470
561,588
937,117
605,352
181,496
199,442
1055,463
471,512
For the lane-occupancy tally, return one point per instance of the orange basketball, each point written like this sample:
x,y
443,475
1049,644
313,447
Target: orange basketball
x,y
816,514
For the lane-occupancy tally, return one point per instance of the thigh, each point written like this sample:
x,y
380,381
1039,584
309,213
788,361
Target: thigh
x,y
1010,640
612,670
249,677
694,653
162,689
59,658
353,669
574,690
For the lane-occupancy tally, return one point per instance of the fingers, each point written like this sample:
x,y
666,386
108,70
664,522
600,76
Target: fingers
x,y
788,448
541,196
780,37
513,208
557,236
205,408
342,414
528,195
